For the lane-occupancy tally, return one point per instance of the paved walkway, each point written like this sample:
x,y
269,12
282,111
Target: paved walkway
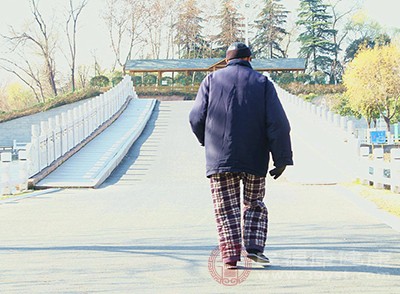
x,y
96,160
150,227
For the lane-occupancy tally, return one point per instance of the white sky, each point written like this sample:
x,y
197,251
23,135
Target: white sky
x,y
93,37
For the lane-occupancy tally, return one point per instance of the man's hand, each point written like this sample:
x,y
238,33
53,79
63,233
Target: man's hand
x,y
276,172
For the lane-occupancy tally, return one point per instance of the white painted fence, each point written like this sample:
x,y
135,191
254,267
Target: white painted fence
x,y
373,169
53,138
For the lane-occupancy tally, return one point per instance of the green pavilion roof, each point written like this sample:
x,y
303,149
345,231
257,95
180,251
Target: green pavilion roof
x,y
209,64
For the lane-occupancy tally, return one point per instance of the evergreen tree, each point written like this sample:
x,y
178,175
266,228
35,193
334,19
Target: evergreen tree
x,y
270,30
190,42
316,39
365,42
231,25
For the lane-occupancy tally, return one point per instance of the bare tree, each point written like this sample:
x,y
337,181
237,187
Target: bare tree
x,y
337,17
156,20
124,19
71,30
27,74
83,75
40,38
172,16
289,39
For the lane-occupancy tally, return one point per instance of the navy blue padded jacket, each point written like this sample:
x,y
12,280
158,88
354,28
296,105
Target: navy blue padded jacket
x,y
239,119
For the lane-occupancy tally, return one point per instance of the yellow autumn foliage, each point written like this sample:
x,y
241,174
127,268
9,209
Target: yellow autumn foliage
x,y
372,82
19,97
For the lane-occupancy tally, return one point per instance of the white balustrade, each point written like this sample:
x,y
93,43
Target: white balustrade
x,y
70,127
58,135
373,169
86,119
350,127
64,133
33,151
50,141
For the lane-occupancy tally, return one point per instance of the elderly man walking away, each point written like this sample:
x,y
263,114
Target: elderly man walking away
x,y
239,119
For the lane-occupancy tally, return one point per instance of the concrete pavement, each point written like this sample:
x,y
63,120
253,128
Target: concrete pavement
x,y
150,227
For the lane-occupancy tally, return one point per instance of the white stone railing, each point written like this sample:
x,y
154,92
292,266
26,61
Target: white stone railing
x,y
379,171
59,135
343,122
373,169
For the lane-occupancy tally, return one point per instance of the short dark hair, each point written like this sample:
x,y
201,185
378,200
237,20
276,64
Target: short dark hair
x,y
237,50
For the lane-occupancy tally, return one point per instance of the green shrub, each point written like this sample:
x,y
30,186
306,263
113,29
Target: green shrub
x,y
302,78
309,97
300,88
137,80
166,81
150,79
340,105
286,78
160,91
318,77
183,79
99,81
199,77
116,80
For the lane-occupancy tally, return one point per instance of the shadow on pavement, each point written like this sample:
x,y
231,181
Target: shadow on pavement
x,y
173,252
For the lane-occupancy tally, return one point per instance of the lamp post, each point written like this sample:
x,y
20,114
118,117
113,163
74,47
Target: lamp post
x,y
245,10
246,19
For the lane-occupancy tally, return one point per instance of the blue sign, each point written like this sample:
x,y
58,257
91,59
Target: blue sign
x,y
378,137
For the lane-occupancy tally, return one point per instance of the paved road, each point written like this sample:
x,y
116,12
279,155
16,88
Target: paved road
x,y
150,227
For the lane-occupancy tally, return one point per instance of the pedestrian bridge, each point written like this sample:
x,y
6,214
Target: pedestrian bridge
x,y
315,147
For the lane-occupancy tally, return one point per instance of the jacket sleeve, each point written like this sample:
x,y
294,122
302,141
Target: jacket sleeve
x,y
278,129
198,114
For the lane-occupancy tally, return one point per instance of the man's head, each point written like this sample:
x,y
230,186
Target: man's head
x,y
238,50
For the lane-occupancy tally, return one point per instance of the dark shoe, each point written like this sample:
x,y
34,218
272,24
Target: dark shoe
x,y
231,265
259,257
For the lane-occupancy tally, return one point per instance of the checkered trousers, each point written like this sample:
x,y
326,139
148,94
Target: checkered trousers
x,y
225,190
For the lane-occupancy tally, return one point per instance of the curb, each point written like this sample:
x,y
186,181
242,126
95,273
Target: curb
x,y
370,208
29,195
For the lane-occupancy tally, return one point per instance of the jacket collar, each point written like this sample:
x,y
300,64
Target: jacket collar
x,y
239,62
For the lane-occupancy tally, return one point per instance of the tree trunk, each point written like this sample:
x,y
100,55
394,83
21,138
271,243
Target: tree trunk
x,y
387,121
73,78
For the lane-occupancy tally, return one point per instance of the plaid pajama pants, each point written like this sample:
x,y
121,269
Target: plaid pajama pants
x,y
225,190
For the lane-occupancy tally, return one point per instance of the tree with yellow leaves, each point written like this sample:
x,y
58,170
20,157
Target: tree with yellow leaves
x,y
372,82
